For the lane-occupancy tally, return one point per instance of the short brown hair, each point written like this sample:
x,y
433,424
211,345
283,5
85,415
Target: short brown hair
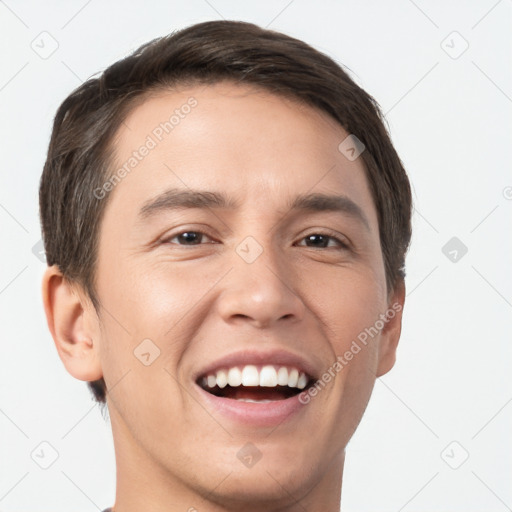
x,y
80,153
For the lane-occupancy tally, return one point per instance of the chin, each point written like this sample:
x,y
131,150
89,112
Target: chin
x,y
276,480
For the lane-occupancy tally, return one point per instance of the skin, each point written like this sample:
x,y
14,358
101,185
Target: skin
x,y
199,302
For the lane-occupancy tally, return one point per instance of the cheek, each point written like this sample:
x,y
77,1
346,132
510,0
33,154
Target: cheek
x,y
153,313
348,308
151,298
347,305
145,332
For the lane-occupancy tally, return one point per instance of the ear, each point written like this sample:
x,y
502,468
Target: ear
x,y
390,333
73,325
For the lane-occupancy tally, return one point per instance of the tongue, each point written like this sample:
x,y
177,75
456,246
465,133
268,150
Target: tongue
x,y
255,393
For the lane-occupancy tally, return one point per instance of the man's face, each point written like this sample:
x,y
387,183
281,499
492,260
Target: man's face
x,y
187,291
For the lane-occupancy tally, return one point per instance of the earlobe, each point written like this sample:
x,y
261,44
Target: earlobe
x,y
390,334
71,326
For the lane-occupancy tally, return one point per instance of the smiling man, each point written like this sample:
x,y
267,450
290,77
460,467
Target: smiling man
x,y
225,221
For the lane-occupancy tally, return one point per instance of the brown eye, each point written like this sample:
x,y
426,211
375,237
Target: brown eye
x,y
187,238
322,240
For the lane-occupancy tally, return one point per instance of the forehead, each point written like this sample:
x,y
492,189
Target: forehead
x,y
258,146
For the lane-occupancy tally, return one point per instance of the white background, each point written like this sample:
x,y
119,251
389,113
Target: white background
x,y
450,120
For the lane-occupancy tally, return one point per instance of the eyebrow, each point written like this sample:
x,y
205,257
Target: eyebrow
x,y
174,199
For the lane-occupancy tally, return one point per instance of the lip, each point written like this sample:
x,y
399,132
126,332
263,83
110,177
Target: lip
x,y
272,357
267,414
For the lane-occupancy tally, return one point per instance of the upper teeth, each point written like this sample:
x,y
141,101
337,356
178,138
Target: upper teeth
x,y
249,375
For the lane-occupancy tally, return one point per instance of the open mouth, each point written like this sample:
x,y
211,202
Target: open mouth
x,y
257,384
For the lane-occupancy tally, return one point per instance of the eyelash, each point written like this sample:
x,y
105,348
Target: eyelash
x,y
342,245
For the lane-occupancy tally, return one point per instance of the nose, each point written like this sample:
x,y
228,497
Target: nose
x,y
261,293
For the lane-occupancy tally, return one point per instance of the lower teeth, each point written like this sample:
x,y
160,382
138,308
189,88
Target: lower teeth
x,y
254,401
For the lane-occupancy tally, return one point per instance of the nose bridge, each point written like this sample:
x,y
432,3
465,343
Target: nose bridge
x,y
260,287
